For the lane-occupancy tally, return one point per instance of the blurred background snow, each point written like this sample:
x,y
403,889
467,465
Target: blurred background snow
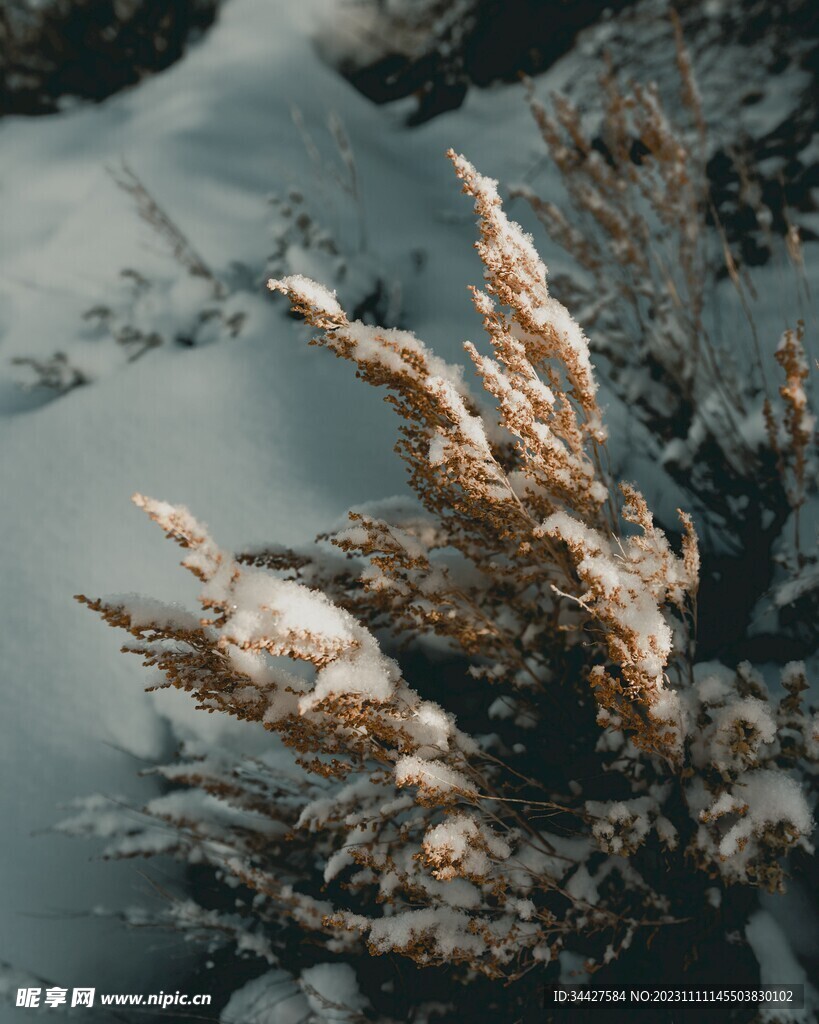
x,y
111,384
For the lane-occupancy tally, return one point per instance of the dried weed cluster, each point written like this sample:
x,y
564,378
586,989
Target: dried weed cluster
x,y
648,246
625,787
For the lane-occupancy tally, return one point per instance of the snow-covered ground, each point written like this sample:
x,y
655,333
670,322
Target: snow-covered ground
x,y
262,437
265,438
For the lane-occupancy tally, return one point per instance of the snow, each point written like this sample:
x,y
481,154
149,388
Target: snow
x,y
332,992
778,965
144,611
627,579
752,712
762,799
256,433
431,726
310,292
446,927
433,777
272,998
367,673
437,450
461,843
268,606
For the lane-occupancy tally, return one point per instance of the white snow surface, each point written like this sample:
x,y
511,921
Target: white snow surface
x,y
263,438
272,998
777,962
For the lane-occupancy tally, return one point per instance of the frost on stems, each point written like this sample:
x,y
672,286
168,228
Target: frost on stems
x,y
443,846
